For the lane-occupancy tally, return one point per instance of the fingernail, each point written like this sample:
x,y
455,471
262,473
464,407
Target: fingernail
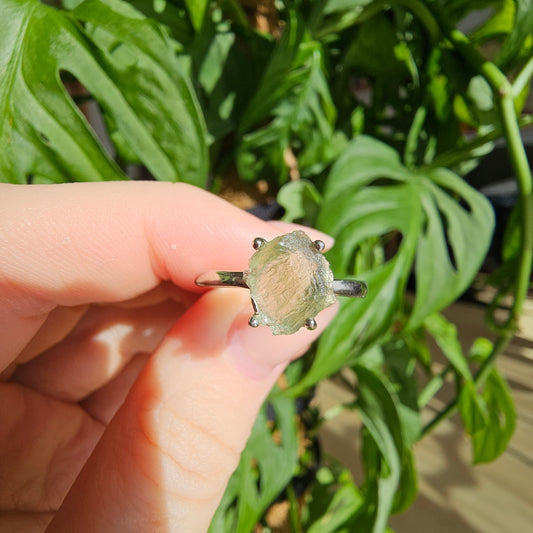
x,y
252,352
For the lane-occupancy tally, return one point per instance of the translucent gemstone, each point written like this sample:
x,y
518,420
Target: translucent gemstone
x,y
290,281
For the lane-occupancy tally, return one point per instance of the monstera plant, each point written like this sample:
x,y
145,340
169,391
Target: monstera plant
x,y
363,118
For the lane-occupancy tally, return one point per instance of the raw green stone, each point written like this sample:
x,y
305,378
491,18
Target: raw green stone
x,y
290,281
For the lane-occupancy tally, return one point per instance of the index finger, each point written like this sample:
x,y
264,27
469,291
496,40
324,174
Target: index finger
x,y
79,243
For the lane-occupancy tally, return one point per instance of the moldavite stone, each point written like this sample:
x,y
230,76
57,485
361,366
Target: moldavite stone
x,y
290,281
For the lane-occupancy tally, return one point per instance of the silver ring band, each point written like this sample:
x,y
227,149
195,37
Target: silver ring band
x,y
221,278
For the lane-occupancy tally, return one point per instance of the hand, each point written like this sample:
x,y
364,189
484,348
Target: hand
x,y
126,393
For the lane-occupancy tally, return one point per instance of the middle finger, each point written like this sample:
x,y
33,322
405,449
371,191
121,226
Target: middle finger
x,y
97,349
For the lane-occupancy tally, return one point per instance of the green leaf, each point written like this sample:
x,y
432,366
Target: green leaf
x,y
43,134
404,55
445,228
378,410
221,96
225,516
154,108
512,238
373,53
137,80
480,94
500,23
294,100
301,201
273,84
329,17
456,10
356,327
462,230
489,417
472,409
165,12
480,350
197,10
445,335
521,30
400,368
334,500
408,487
491,441
416,342
265,468
476,106
229,67
439,89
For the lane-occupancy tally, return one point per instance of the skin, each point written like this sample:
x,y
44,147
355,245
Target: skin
x,y
126,392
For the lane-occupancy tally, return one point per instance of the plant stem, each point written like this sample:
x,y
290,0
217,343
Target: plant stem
x,y
422,12
454,157
503,93
520,164
433,386
294,513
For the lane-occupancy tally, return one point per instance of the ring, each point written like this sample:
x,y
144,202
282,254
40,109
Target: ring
x,y
290,281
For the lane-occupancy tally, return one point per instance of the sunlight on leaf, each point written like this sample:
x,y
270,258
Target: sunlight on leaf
x,y
147,96
156,111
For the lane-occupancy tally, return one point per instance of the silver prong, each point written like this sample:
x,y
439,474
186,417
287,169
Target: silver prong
x,y
253,322
258,242
319,245
310,324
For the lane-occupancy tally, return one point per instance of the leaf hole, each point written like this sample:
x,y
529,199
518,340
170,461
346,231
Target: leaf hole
x,y
392,242
373,252
451,255
76,90
466,206
89,108
449,248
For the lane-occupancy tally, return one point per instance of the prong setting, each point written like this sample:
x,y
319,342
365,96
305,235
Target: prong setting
x,y
310,324
319,245
291,266
258,242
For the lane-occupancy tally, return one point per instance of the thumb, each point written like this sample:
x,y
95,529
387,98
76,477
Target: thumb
x,y
166,457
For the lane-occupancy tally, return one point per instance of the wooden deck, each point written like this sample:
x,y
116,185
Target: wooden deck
x,y
453,494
